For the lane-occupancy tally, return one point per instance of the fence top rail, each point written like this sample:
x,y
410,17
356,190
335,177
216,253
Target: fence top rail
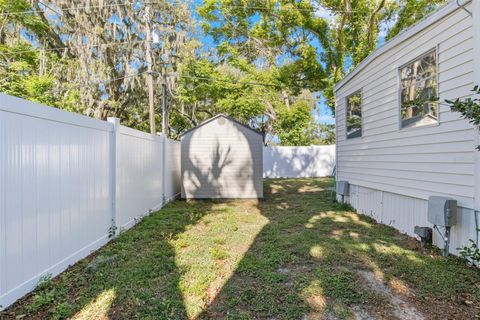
x,y
20,106
140,134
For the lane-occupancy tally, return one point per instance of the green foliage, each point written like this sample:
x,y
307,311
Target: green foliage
x,y
408,12
469,108
84,59
207,88
32,22
255,96
44,296
344,206
273,41
23,68
294,124
470,253
62,311
219,253
323,134
268,32
40,300
23,74
44,282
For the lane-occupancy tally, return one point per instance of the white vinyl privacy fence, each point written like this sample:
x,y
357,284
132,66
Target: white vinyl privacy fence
x,y
67,182
298,162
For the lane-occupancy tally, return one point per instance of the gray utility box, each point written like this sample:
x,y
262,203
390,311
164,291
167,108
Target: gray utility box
x,y
442,211
342,188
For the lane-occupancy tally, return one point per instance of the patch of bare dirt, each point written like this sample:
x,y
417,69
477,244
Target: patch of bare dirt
x,y
400,308
361,314
319,316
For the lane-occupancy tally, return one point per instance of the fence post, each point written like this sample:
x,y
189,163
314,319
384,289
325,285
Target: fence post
x,y
164,157
113,174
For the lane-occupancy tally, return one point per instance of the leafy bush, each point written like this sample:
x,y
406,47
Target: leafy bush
x,y
469,108
471,253
44,282
40,300
44,296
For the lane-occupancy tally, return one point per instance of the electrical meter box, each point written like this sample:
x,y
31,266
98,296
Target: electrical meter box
x,y
342,188
442,211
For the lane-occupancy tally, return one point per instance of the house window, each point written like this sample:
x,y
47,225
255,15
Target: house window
x,y
418,95
354,115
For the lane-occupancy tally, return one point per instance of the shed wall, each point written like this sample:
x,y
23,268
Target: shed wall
x,y
222,161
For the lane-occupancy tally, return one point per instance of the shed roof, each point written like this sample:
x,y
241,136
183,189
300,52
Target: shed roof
x,y
442,12
221,115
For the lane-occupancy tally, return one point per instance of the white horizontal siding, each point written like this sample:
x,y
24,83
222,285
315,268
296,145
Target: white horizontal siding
x,y
465,180
417,162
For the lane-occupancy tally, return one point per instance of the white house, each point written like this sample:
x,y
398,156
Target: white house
x,y
395,155
222,158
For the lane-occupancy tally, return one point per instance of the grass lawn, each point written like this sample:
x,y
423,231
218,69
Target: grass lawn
x,y
295,255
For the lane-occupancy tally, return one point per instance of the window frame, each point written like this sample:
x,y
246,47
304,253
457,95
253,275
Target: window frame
x,y
401,127
360,91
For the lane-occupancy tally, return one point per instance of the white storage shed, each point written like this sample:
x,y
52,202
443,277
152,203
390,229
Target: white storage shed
x,y
222,158
395,154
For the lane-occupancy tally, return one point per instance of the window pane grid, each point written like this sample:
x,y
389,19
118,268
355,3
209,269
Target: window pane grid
x,y
434,77
354,115
418,91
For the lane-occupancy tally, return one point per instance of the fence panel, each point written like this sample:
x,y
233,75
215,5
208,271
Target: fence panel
x,y
172,169
298,162
139,175
55,205
64,179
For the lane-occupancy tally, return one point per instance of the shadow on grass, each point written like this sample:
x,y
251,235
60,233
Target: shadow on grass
x,y
295,255
307,263
134,276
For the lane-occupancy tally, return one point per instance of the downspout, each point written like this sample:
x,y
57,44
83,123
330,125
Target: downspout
x,y
476,80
